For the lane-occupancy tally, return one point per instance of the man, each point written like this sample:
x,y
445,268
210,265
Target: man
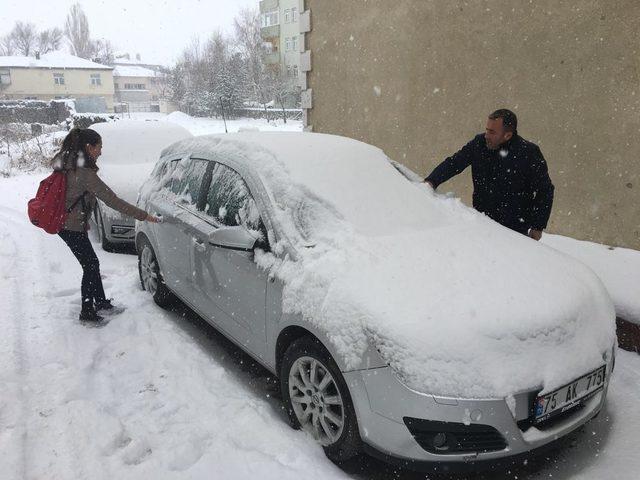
x,y
511,183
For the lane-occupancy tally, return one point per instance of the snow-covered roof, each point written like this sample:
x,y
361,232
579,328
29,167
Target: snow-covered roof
x,y
51,60
134,71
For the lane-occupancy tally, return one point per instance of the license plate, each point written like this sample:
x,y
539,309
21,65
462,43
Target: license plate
x,y
569,396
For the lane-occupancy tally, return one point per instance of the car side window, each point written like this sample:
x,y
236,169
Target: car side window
x,y
165,173
187,179
229,201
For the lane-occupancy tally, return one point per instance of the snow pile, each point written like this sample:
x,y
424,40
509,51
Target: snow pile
x,y
454,303
618,268
130,149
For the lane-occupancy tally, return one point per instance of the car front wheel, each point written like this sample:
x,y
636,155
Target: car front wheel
x,y
150,275
318,400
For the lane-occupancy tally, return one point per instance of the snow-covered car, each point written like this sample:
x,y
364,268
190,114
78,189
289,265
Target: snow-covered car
x,y
130,150
399,321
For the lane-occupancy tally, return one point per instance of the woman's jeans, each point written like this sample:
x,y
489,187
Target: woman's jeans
x,y
92,289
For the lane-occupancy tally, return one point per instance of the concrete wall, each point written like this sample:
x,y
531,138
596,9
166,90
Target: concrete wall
x,y
419,78
38,83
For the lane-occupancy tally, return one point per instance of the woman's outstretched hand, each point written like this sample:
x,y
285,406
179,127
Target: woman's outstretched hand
x,y
152,219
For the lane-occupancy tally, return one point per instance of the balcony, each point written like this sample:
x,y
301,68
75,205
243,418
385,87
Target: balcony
x,y
270,32
268,5
272,58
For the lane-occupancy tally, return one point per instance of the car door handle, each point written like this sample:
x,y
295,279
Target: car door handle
x,y
199,245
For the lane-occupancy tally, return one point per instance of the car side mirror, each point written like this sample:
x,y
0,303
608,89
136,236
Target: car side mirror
x,y
234,238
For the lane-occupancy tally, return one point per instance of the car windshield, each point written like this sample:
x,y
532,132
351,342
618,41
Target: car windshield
x,y
369,193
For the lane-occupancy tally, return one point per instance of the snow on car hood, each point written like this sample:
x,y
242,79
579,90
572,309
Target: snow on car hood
x,y
456,304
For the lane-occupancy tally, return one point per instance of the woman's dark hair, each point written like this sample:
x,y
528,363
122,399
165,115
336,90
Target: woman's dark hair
x,y
73,144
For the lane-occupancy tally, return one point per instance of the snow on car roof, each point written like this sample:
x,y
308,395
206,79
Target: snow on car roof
x,y
456,304
357,179
136,141
130,149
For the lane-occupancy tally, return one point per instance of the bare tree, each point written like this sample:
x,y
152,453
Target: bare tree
x,y
102,51
49,40
284,90
259,77
24,37
76,29
7,47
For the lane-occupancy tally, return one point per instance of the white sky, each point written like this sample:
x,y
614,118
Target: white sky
x,y
157,29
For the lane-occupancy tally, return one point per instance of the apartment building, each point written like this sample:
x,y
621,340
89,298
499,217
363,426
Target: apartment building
x,y
58,75
280,29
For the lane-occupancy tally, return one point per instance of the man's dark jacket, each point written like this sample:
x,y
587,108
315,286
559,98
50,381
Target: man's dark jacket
x,y
511,185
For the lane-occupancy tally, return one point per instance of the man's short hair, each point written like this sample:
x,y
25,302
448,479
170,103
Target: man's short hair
x,y
509,119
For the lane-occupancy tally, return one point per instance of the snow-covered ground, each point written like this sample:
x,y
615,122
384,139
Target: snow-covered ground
x,y
158,394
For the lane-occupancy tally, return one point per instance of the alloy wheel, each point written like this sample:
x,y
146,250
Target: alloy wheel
x,y
149,270
316,400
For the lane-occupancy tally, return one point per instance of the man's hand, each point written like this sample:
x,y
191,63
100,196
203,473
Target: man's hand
x,y
429,183
153,219
535,234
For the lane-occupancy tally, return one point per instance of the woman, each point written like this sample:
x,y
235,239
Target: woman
x,y
77,158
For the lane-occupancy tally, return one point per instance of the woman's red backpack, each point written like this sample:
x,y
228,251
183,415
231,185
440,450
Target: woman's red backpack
x,y
47,210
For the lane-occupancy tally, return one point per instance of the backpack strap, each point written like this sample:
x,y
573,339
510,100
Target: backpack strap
x,y
79,199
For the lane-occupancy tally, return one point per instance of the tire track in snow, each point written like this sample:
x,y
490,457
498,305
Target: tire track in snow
x,y
13,401
28,317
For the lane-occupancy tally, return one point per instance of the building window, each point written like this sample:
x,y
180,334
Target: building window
x,y
134,86
289,71
58,79
270,18
95,79
294,15
287,16
5,77
295,71
116,86
287,44
294,43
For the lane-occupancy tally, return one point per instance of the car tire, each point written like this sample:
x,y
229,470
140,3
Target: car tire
x,y
150,276
318,403
107,246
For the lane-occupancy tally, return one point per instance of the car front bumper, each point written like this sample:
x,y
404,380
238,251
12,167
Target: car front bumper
x,y
385,407
118,228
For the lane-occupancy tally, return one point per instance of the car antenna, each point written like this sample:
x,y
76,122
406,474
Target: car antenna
x,y
223,118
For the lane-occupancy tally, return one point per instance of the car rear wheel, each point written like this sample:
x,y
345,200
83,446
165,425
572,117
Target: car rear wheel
x,y
318,400
151,277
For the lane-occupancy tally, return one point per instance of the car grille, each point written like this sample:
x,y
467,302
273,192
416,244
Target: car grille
x,y
460,438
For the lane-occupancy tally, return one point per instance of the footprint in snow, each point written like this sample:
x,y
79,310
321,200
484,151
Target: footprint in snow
x,y
136,452
63,293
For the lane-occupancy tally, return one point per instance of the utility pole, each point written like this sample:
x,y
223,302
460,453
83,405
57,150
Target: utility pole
x,y
223,117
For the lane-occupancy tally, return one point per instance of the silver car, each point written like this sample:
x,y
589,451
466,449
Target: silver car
x,y
130,151
232,211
